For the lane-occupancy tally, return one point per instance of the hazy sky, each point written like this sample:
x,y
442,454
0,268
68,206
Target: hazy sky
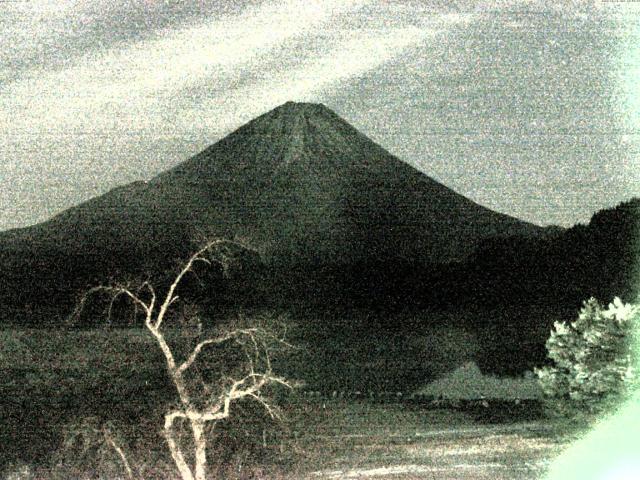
x,y
531,108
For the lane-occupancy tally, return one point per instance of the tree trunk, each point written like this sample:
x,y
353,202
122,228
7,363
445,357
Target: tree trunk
x,y
200,449
176,453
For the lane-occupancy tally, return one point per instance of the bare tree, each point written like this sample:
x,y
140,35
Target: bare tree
x,y
198,404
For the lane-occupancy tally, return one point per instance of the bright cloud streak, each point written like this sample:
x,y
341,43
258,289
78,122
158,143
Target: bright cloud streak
x,y
74,98
350,58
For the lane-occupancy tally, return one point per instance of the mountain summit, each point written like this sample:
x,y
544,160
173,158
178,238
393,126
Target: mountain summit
x,y
298,184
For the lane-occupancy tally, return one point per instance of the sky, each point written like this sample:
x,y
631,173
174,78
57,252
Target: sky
x,y
531,108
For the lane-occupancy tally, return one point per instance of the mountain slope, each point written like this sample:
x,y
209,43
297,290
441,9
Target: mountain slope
x,y
302,184
298,184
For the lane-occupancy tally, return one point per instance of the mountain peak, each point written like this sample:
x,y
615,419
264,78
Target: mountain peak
x,y
302,107
293,111
301,183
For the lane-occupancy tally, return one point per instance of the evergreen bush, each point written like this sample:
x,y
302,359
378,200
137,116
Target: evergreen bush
x,y
593,362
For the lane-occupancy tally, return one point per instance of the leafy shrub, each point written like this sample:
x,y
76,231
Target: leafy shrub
x,y
593,364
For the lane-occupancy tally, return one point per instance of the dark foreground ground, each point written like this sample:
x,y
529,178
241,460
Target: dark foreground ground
x,y
334,440
57,397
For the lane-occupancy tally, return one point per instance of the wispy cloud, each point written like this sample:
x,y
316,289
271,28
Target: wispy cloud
x,y
96,93
91,118
78,96
350,57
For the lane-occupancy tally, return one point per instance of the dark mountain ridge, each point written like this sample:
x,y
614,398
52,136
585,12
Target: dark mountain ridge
x,y
600,259
339,229
298,185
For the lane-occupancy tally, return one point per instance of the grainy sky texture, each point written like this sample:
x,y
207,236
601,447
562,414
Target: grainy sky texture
x,y
531,108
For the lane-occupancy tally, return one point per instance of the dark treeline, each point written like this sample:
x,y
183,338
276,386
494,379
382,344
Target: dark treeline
x,y
562,268
521,284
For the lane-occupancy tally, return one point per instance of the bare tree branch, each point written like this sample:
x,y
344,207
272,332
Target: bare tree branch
x,y
174,448
254,341
210,341
185,269
120,452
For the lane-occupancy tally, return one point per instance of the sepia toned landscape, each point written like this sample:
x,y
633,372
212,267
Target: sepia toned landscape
x,y
265,277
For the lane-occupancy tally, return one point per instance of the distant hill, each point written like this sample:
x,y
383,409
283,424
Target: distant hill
x,y
298,185
468,382
530,283
600,259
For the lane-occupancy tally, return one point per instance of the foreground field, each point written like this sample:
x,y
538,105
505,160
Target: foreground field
x,y
58,388
360,440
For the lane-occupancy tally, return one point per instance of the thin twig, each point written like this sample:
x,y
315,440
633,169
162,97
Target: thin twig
x,y
120,452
